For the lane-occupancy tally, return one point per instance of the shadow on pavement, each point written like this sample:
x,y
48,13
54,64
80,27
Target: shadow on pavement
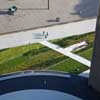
x,y
86,8
3,12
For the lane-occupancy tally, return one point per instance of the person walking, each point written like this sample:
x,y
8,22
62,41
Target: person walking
x,y
47,34
12,10
43,33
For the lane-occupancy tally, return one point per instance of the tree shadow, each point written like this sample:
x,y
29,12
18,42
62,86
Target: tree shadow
x,y
87,8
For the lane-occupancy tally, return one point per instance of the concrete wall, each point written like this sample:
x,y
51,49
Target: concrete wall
x,y
94,79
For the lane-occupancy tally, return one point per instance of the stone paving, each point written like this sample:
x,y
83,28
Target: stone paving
x,y
24,4
54,32
33,14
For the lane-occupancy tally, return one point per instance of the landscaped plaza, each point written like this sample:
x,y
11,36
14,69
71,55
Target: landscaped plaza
x,y
49,49
39,57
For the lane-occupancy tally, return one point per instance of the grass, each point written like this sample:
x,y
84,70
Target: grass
x,y
38,57
12,53
69,65
65,42
35,62
87,53
72,66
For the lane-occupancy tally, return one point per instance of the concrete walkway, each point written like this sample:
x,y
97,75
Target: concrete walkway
x,y
77,46
55,32
85,73
71,48
66,53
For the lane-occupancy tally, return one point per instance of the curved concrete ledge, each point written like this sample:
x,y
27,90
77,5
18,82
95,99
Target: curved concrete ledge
x,y
47,80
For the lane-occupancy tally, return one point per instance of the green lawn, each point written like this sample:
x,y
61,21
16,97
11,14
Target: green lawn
x,y
86,53
31,61
38,57
65,42
72,66
12,53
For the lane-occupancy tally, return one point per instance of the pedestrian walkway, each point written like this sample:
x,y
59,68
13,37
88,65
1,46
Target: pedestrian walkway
x,y
85,74
66,53
54,32
77,46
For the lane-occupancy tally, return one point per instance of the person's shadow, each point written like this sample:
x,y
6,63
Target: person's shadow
x,y
4,12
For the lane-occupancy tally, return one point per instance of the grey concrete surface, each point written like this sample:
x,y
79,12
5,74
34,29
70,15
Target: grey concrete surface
x,y
24,4
87,8
34,13
54,32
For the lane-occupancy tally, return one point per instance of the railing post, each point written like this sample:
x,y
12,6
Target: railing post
x,y
48,4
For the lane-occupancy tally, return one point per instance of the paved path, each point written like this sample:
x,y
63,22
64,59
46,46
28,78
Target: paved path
x,y
66,53
85,73
55,32
71,48
32,14
77,46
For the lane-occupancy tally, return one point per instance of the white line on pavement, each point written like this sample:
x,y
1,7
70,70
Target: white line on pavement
x,y
85,73
66,53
